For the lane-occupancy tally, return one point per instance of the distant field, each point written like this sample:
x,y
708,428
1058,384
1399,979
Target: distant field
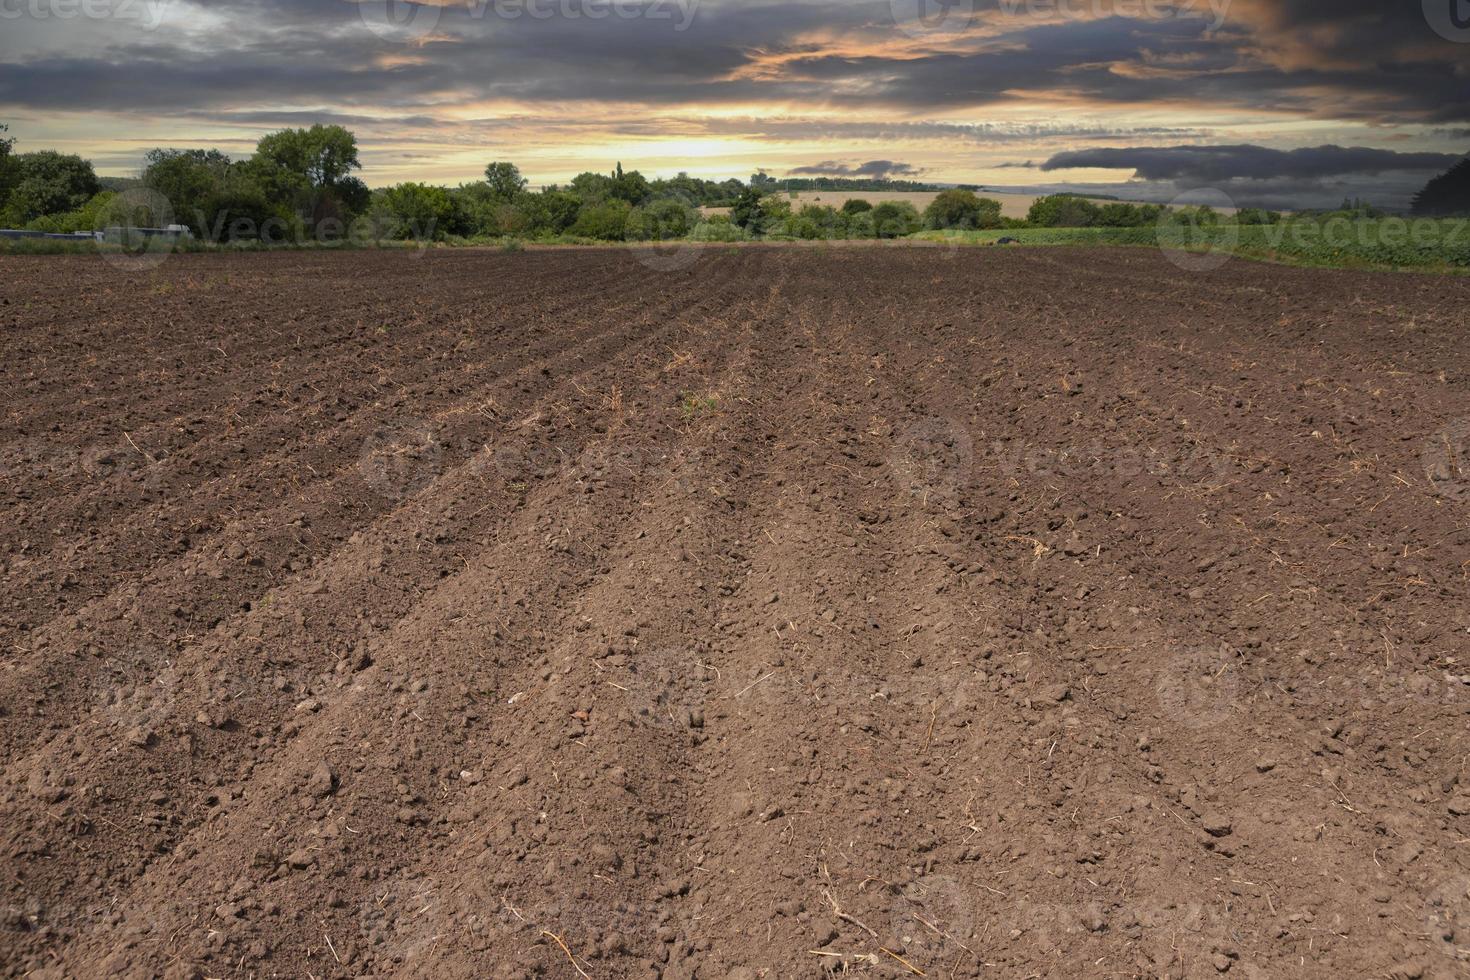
x,y
1011,205
1338,242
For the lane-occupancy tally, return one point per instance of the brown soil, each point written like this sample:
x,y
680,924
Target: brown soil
x,y
897,611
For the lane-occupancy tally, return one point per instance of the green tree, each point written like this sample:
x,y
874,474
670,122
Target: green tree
x,y
47,182
95,214
318,157
775,216
1256,216
1117,214
505,180
418,211
896,219
218,199
309,171
561,209
860,225
855,205
746,211
1447,194
630,187
591,187
6,167
1062,211
605,220
662,220
185,177
962,209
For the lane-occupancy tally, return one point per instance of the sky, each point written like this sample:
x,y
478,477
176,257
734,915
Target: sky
x,y
1271,102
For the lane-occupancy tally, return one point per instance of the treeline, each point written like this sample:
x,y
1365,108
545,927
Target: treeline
x,y
301,185
875,185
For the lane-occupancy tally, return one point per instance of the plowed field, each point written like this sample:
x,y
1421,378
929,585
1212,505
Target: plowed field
x,y
893,611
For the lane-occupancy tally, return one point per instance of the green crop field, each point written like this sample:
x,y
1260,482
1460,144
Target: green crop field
x,y
1388,243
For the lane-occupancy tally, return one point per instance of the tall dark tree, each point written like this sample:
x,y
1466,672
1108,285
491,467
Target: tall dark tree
x,y
309,172
1447,194
47,182
505,180
219,200
631,186
746,211
6,143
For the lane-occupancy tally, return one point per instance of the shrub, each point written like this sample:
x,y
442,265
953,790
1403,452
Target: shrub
x,y
896,219
817,221
1447,194
775,216
860,225
718,228
746,211
418,211
1257,216
855,205
1062,211
661,220
1120,215
89,217
47,183
605,221
961,209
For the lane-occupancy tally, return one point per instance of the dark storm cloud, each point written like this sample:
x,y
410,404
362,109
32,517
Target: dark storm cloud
x,y
1392,193
282,53
980,134
876,169
1211,164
